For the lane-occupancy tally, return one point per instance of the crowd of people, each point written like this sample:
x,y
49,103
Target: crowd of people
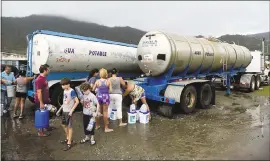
x,y
101,91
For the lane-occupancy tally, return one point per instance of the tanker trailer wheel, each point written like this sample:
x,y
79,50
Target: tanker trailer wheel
x,y
205,96
188,99
252,84
56,94
258,82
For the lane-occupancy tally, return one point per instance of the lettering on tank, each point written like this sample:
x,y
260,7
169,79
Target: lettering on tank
x,y
62,60
197,53
69,51
149,43
209,54
97,53
126,56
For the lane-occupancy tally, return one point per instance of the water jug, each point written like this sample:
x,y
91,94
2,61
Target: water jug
x,y
113,114
90,126
132,108
41,118
143,108
51,108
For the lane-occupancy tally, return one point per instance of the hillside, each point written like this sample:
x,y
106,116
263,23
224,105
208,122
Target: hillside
x,y
14,31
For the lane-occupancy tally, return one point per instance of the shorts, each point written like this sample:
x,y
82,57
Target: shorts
x,y
66,119
103,99
21,95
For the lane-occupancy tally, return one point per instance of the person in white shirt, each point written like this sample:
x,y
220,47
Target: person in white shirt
x,y
70,102
90,108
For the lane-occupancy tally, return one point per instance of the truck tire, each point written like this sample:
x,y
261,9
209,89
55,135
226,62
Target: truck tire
x,y
252,84
56,94
166,110
188,99
258,82
204,96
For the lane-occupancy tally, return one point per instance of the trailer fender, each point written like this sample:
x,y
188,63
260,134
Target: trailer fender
x,y
245,80
173,91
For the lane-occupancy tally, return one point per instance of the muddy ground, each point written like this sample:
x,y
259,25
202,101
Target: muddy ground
x,y
236,128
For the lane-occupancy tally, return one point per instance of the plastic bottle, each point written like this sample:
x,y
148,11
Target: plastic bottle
x,y
90,126
143,108
132,108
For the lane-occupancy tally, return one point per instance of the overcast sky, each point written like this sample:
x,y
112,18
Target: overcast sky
x,y
186,18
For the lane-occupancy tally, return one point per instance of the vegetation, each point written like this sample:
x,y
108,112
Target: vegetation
x,y
14,31
264,92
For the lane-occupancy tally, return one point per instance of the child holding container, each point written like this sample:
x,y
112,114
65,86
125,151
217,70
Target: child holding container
x,y
90,108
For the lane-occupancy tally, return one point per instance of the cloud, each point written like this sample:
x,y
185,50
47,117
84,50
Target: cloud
x,y
187,18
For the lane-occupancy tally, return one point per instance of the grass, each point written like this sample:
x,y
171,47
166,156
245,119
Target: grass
x,y
264,92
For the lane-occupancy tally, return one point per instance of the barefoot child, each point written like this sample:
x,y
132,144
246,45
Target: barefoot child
x,y
70,102
90,108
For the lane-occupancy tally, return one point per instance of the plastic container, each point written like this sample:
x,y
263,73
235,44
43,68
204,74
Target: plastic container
x,y
51,108
144,117
11,90
132,117
42,118
113,114
91,124
143,108
132,108
138,115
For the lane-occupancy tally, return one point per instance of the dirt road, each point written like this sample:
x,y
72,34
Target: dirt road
x,y
236,128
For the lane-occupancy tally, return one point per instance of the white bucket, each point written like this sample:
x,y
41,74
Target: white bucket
x,y
144,117
138,115
132,117
113,114
11,91
132,108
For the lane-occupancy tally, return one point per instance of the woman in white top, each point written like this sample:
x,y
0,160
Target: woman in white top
x,y
116,95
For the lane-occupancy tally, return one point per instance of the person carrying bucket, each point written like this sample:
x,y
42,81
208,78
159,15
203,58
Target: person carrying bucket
x,y
136,93
21,92
42,93
103,85
7,79
116,95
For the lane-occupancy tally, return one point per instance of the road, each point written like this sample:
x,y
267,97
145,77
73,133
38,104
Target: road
x,y
236,128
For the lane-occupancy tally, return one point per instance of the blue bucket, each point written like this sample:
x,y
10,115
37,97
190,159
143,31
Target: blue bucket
x,y
42,118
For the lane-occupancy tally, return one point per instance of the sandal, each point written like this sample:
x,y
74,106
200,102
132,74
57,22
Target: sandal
x,y
42,134
92,142
64,141
67,147
84,141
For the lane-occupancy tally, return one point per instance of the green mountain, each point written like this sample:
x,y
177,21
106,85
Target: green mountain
x,y
15,29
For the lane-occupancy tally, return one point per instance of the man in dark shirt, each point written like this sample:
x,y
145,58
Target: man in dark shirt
x,y
42,92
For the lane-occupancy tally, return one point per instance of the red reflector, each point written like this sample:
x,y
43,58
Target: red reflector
x,y
167,100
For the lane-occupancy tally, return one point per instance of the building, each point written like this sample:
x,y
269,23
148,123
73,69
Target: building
x,y
17,60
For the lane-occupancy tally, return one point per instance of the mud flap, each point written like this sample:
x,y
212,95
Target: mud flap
x,y
213,100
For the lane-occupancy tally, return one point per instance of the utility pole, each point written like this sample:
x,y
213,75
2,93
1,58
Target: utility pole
x,y
262,58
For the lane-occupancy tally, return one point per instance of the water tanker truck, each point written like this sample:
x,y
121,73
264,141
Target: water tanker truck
x,y
180,71
74,56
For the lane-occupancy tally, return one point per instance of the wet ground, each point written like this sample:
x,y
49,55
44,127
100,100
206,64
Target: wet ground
x,y
236,128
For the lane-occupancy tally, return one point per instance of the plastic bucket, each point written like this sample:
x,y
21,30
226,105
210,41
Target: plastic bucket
x,y
11,91
138,115
144,117
132,117
113,114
